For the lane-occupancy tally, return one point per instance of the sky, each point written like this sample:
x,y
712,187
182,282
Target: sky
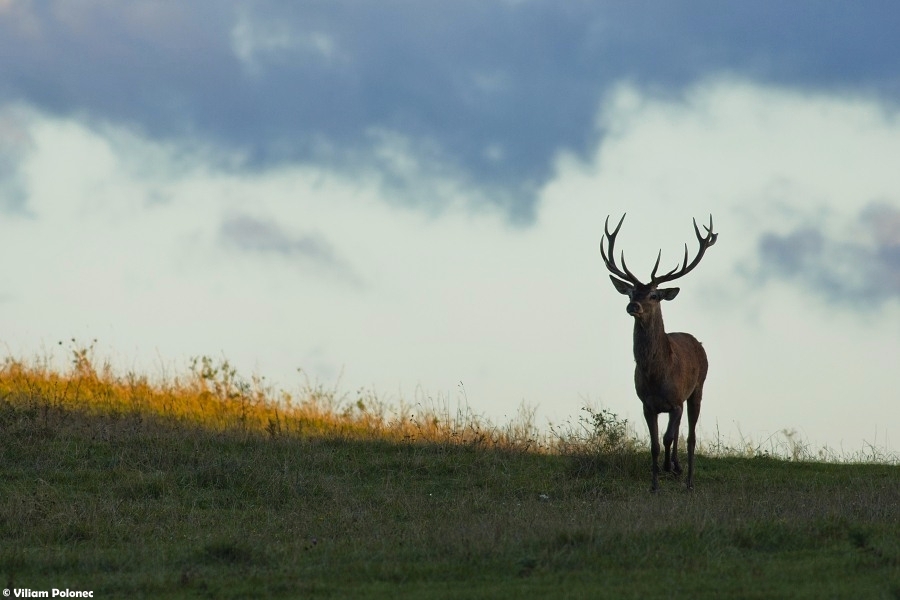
x,y
408,198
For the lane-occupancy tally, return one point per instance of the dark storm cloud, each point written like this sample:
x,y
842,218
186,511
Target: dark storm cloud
x,y
494,90
839,271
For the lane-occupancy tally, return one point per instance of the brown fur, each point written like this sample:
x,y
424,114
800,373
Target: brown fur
x,y
670,369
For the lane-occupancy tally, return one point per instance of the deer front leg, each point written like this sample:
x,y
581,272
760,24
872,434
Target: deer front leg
x,y
693,415
653,426
670,441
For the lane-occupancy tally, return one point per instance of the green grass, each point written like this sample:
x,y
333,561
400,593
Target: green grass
x,y
126,501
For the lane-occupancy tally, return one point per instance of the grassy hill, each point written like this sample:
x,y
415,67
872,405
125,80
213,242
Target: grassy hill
x,y
210,486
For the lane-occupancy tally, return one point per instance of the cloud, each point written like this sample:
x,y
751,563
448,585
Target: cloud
x,y
497,89
883,222
15,143
258,43
251,235
859,271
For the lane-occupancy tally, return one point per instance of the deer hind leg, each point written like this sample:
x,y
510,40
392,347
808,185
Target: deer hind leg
x,y
653,426
693,412
670,441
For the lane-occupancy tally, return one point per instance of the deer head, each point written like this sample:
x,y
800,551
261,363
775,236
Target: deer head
x,y
645,297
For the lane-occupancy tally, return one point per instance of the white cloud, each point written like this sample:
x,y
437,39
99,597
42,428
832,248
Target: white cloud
x,y
15,144
256,41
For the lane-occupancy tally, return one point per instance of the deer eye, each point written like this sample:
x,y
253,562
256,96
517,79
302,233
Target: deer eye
x,y
654,296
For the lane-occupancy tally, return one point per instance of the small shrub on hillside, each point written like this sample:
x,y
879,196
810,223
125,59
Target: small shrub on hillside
x,y
599,442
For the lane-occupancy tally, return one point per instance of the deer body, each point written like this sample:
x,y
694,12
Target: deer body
x,y
670,368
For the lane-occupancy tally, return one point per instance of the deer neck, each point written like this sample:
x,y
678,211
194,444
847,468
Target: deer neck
x,y
652,351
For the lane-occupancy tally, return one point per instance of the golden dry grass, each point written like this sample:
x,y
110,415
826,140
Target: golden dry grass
x,y
214,396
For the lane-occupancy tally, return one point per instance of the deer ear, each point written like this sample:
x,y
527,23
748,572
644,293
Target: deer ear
x,y
668,293
622,286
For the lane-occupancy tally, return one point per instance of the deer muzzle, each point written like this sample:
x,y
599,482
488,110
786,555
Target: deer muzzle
x,y
634,309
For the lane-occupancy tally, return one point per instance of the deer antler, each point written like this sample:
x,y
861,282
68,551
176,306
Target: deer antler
x,y
705,242
610,260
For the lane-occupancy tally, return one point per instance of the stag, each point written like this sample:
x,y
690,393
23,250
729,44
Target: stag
x,y
670,367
